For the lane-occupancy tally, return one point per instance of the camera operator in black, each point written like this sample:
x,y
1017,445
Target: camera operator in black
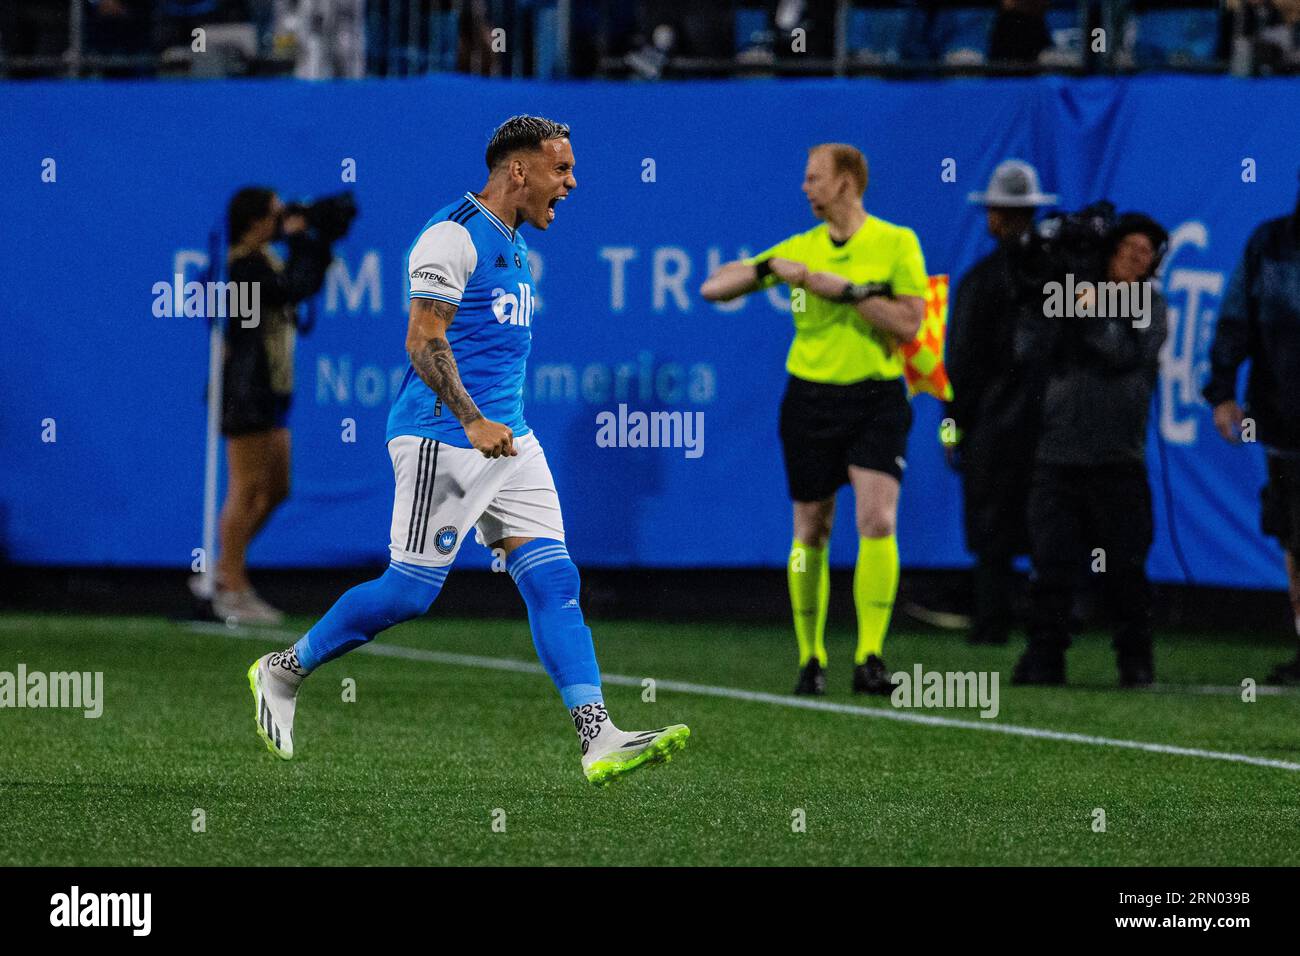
x,y
257,378
994,411
1089,502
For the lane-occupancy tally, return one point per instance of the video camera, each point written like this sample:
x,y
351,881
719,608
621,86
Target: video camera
x,y
1076,243
330,217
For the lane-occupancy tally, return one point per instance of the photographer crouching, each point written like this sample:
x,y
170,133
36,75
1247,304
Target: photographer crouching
x,y
257,377
1095,340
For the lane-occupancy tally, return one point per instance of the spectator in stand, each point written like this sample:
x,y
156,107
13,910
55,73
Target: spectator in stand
x,y
121,28
1019,32
37,28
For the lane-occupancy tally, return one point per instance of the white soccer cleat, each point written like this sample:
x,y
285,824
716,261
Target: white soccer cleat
x,y
629,750
274,683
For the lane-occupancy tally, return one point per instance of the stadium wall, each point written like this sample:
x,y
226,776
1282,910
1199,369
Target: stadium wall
x,y
673,179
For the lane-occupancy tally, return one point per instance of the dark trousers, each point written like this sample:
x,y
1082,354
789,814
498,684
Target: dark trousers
x,y
996,474
1073,511
995,582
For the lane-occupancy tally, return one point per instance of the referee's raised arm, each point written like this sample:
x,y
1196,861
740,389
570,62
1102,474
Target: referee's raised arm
x,y
734,279
729,281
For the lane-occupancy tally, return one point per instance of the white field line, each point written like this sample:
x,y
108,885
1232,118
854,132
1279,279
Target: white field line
x,y
779,700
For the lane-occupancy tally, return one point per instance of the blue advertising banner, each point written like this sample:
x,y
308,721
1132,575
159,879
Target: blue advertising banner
x,y
110,189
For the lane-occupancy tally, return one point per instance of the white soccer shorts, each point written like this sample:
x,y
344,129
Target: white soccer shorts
x,y
442,491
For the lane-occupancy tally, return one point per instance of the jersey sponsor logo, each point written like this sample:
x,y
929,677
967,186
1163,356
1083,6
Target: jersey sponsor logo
x,y
501,261
511,308
446,539
431,276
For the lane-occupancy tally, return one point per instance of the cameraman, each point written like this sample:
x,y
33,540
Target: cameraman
x,y
257,380
1089,501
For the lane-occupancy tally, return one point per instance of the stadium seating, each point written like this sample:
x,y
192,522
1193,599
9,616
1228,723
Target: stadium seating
x,y
883,33
961,35
1165,36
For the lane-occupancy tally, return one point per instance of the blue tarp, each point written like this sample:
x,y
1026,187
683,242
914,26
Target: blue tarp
x,y
144,171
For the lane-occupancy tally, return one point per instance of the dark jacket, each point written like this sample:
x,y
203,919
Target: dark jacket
x,y
1260,320
1098,377
992,405
987,403
258,369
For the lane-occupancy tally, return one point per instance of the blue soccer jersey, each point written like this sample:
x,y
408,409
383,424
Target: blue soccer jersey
x,y
465,255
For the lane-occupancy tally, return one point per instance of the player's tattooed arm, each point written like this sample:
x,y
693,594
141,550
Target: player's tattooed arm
x,y
433,361
430,352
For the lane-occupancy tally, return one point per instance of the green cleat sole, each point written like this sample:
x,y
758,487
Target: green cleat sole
x,y
603,773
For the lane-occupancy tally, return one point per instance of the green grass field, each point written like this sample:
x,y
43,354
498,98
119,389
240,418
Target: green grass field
x,y
414,770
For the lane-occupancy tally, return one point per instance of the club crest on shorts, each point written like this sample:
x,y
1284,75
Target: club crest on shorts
x,y
446,539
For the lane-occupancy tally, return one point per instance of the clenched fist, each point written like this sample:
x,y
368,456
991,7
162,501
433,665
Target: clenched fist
x,y
491,438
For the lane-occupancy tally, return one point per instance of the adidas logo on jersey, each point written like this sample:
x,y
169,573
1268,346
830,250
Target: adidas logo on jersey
x,y
513,309
501,261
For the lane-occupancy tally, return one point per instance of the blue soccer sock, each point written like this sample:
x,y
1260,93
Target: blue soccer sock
x,y
549,583
402,592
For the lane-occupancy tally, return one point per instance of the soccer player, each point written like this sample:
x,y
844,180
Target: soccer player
x,y
845,415
464,457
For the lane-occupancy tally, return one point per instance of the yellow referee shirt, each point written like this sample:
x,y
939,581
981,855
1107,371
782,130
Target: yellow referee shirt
x,y
832,342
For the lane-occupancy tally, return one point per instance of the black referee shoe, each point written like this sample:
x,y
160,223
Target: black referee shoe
x,y
812,679
872,677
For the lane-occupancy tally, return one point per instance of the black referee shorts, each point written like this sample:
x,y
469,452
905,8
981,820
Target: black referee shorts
x,y
826,428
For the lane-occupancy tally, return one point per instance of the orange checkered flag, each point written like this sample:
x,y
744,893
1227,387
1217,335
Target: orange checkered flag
x,y
923,366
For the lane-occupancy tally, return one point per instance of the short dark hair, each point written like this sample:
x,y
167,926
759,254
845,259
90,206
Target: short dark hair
x,y
246,207
522,132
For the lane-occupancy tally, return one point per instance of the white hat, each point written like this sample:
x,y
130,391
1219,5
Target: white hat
x,y
1014,185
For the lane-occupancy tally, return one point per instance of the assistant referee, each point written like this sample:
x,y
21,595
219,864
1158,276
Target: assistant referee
x,y
846,414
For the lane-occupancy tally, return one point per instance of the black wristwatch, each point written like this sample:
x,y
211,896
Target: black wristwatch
x,y
857,291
